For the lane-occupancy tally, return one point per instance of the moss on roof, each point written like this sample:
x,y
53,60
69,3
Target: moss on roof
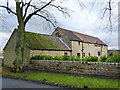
x,y
39,41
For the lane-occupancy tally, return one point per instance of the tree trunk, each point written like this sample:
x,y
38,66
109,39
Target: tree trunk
x,y
18,63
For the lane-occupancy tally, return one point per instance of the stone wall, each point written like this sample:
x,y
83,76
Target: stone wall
x,y
10,48
9,51
49,52
75,67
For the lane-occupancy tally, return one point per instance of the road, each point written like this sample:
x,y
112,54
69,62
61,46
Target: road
x,y
14,83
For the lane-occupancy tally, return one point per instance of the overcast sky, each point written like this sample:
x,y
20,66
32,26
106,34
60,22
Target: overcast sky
x,y
83,19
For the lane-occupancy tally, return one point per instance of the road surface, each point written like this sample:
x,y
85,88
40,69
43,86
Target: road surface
x,y
14,83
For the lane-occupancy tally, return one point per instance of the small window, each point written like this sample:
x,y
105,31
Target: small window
x,y
78,54
78,43
83,54
89,54
98,53
65,53
57,34
96,41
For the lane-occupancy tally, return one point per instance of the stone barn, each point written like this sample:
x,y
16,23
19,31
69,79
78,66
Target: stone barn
x,y
35,44
81,45
61,42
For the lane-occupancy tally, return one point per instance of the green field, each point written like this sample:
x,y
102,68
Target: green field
x,y
67,80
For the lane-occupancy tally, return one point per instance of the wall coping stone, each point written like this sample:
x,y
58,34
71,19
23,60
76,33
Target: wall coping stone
x,y
111,63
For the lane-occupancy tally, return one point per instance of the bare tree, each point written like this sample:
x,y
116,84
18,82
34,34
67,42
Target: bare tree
x,y
37,9
23,16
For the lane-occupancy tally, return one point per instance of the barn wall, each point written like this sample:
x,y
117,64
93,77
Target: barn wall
x,y
47,52
88,48
9,51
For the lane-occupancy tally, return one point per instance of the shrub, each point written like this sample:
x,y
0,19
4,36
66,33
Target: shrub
x,y
90,58
66,57
95,58
72,58
42,57
114,58
57,58
46,57
103,58
85,58
110,54
35,57
77,58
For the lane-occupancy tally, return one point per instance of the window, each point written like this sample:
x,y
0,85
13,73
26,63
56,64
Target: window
x,y
65,53
89,54
98,53
83,54
78,43
78,54
57,34
96,41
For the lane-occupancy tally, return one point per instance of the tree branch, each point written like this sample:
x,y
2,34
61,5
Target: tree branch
x,y
46,19
35,12
110,16
8,9
61,9
27,8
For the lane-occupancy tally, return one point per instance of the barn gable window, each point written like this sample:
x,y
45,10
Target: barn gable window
x,y
57,34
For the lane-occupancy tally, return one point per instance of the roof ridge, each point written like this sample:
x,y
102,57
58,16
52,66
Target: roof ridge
x,y
37,33
77,32
86,35
63,29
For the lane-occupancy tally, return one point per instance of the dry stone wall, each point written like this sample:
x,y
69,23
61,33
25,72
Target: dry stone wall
x,y
75,67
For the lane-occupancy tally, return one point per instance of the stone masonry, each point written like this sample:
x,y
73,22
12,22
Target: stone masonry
x,y
76,67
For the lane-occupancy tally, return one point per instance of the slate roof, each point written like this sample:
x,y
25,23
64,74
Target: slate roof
x,y
51,42
70,35
89,39
43,41
75,36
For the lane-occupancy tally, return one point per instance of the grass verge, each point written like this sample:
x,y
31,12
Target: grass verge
x,y
67,80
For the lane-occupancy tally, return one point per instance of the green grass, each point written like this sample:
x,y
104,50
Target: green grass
x,y
69,80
